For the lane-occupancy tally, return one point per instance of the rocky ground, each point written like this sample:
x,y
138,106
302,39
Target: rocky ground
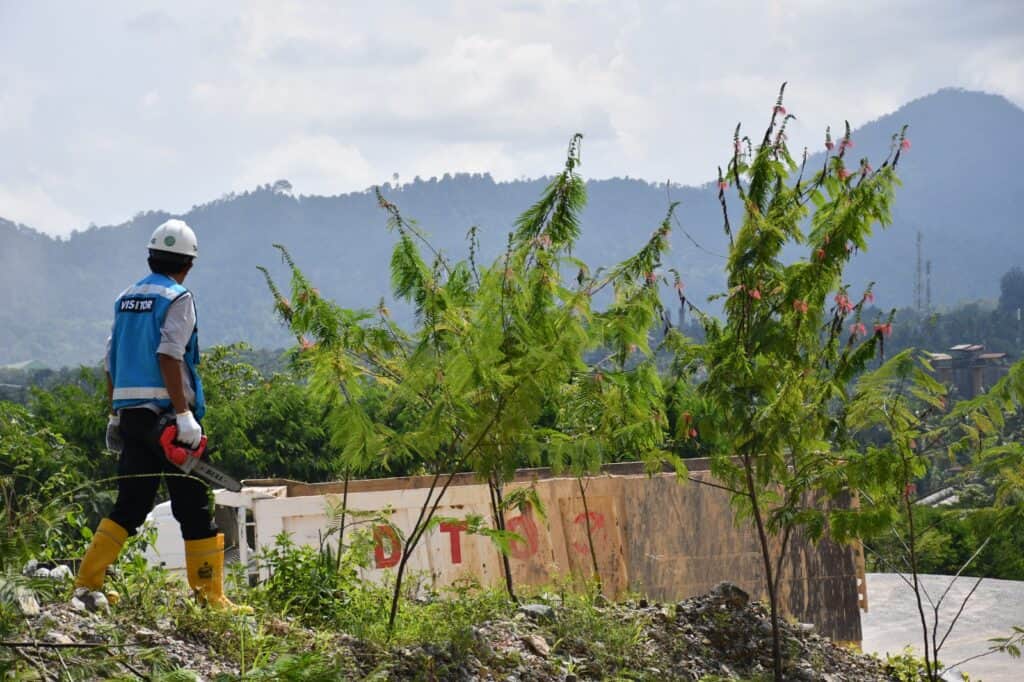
x,y
718,636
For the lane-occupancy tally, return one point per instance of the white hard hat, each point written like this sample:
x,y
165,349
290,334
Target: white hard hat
x,y
175,236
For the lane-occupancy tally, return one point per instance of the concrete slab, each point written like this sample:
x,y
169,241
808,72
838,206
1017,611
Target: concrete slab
x,y
894,622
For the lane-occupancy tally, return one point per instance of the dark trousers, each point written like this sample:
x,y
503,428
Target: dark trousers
x,y
141,467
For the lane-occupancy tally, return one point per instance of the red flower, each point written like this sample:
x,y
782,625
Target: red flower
x,y
829,145
858,329
680,286
846,144
723,184
865,169
800,306
821,254
284,307
306,344
884,329
869,297
693,433
843,303
779,109
905,144
651,278
738,145
843,174
908,490
755,294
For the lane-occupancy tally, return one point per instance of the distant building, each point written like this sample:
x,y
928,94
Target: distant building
x,y
968,369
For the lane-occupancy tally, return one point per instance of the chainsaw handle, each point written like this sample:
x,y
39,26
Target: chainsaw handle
x,y
177,453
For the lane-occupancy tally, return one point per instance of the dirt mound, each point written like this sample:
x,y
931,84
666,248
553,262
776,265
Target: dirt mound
x,y
720,635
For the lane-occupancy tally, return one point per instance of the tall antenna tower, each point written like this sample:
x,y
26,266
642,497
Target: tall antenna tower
x,y
918,303
928,286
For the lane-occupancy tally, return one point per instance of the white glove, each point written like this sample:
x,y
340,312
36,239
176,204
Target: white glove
x,y
114,441
189,430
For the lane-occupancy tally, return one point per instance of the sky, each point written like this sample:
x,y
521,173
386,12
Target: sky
x,y
111,108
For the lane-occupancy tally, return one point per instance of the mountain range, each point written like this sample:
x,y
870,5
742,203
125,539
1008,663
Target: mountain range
x,y
961,191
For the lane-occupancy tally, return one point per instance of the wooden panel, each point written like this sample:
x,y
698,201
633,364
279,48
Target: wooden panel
x,y
652,534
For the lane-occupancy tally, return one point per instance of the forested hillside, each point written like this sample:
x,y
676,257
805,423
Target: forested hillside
x,y
959,191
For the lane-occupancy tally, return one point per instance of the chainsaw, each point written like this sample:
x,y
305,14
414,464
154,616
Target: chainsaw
x,y
189,461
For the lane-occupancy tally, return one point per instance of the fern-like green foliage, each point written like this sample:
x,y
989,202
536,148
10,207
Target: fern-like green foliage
x,y
980,430
773,376
493,371
778,368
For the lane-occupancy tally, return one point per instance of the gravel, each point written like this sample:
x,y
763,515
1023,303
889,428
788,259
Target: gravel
x,y
719,634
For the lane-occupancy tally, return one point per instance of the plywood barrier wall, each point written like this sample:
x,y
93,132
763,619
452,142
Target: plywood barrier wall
x,y
653,535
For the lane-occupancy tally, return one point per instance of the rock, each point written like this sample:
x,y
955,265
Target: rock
x,y
804,673
61,572
58,637
483,646
538,612
84,600
27,603
30,567
146,635
41,573
731,595
537,645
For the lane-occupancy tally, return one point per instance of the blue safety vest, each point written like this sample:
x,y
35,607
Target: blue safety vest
x,y
139,314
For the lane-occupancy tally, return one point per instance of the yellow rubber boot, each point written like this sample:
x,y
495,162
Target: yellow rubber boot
x,y
103,550
204,561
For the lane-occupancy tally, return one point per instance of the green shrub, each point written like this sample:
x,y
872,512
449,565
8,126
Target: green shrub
x,y
949,537
305,582
905,666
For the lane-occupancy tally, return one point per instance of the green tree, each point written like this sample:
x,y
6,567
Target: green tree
x,y
902,400
262,427
43,490
1011,290
495,351
778,365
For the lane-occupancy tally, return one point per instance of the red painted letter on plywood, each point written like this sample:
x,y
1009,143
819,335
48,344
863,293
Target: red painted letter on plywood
x,y
392,558
524,525
456,545
596,524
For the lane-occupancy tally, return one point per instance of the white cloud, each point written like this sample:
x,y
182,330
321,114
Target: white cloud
x,y
997,67
17,100
150,101
166,107
151,21
314,164
32,206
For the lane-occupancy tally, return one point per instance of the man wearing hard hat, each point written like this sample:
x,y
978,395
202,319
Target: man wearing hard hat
x,y
151,362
